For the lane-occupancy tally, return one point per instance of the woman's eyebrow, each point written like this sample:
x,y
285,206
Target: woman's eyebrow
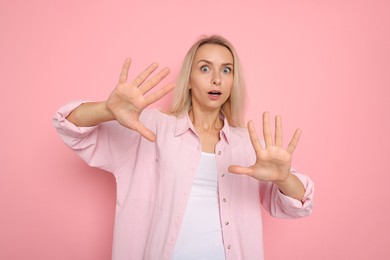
x,y
209,62
206,61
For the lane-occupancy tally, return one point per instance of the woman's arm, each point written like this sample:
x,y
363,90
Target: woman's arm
x,y
90,114
291,187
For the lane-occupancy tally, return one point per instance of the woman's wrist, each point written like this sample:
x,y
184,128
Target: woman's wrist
x,y
291,187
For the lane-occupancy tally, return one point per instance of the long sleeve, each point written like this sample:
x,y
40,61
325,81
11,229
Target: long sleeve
x,y
282,206
102,146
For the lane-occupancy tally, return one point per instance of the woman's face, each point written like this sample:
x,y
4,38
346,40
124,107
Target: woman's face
x,y
211,77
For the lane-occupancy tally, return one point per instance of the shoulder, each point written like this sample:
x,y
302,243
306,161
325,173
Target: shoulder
x,y
156,117
239,131
156,114
239,138
242,152
239,134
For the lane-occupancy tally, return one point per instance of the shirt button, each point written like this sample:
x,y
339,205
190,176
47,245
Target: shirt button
x,y
219,152
227,223
222,175
224,200
229,246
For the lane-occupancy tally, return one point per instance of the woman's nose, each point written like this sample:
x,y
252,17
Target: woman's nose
x,y
216,79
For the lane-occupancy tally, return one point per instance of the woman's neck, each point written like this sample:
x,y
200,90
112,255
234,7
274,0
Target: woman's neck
x,y
206,120
207,126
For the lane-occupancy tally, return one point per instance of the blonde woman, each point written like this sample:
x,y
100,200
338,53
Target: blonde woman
x,y
190,182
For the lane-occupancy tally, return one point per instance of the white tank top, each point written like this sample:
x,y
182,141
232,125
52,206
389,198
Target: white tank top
x,y
201,234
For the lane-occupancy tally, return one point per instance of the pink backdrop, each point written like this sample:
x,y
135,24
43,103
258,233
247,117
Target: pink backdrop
x,y
323,65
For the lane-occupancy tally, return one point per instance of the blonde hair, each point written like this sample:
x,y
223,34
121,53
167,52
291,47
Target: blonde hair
x,y
233,108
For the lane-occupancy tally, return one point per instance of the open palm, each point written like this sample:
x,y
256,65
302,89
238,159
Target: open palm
x,y
127,100
273,162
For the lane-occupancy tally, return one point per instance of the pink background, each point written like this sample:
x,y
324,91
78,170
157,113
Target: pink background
x,y
323,65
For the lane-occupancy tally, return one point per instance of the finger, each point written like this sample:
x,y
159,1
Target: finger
x,y
124,71
159,93
267,130
240,170
278,131
154,80
253,137
145,74
294,141
145,132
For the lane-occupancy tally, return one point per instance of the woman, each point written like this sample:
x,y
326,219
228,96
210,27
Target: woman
x,y
191,182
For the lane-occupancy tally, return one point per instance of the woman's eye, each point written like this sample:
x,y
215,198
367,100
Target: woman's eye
x,y
227,70
204,68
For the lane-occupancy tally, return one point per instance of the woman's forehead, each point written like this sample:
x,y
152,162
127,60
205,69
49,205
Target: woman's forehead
x,y
213,52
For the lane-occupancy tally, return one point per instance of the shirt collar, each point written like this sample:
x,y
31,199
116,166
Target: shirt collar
x,y
183,124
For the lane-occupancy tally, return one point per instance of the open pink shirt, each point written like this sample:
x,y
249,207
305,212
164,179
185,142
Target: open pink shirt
x,y
154,181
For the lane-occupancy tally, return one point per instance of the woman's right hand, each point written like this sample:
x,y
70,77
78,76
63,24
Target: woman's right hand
x,y
127,100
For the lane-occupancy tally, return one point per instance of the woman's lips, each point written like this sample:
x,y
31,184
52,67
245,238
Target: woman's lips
x,y
214,94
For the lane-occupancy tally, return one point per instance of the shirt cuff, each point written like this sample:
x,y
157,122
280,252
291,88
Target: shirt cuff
x,y
296,207
64,126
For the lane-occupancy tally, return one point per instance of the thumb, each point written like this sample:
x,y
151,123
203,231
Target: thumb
x,y
145,132
149,135
240,170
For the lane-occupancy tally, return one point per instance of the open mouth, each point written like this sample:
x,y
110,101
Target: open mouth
x,y
214,93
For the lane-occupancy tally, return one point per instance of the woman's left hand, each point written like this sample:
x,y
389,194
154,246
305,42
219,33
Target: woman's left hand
x,y
273,162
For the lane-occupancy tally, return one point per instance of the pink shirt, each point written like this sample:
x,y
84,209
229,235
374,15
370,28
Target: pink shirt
x,y
155,179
